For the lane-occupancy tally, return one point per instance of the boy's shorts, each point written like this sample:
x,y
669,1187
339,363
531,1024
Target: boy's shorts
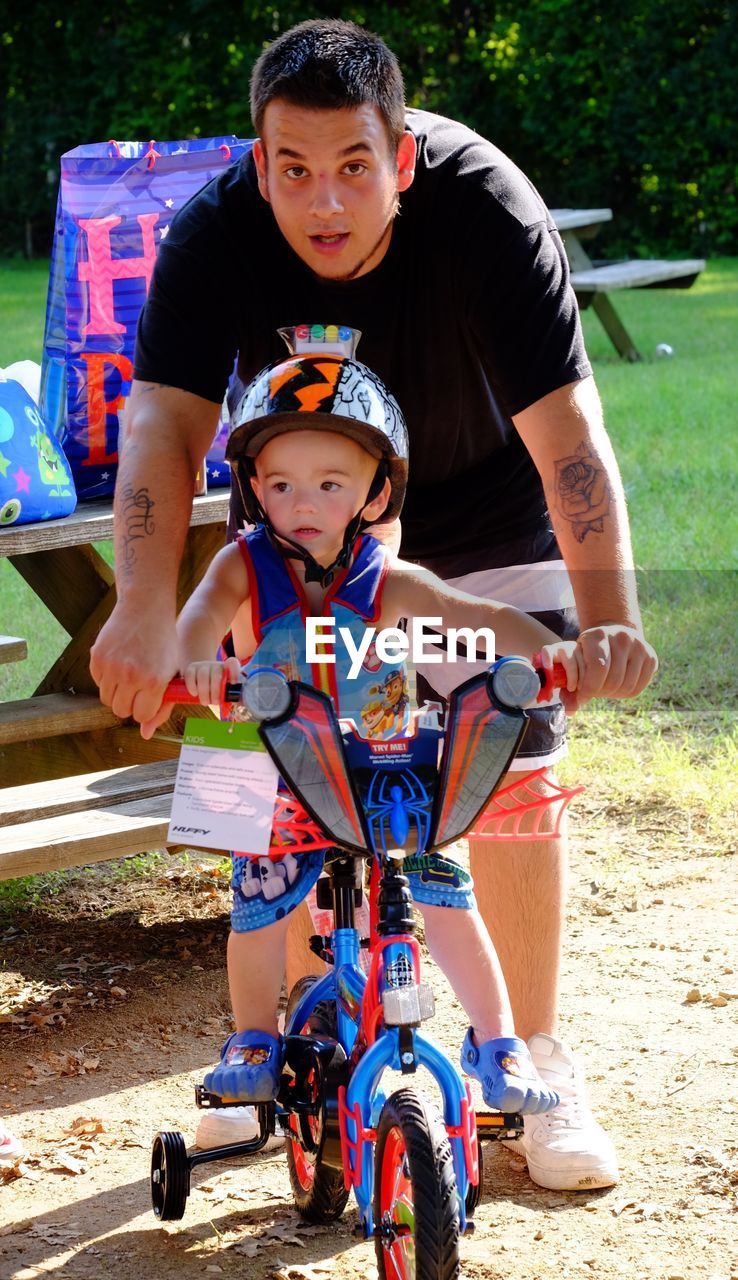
x,y
531,575
266,890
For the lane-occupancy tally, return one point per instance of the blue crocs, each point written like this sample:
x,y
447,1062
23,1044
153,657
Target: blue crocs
x,y
249,1068
508,1077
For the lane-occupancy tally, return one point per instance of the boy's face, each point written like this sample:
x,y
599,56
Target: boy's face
x,y
311,484
333,181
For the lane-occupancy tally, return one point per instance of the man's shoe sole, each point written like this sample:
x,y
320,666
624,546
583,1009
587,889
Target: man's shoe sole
x,y
571,1180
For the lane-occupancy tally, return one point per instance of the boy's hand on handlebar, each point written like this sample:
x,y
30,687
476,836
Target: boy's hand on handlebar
x,y
205,680
567,654
617,662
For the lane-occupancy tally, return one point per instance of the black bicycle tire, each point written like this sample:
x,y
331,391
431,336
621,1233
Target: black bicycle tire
x,y
327,1197
435,1195
169,1159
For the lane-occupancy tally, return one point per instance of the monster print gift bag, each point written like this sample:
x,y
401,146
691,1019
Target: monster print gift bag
x,y
35,479
116,201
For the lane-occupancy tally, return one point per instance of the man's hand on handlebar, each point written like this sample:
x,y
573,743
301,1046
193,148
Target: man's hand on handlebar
x,y
617,662
132,661
204,682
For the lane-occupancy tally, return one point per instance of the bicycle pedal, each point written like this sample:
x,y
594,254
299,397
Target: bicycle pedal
x,y
497,1124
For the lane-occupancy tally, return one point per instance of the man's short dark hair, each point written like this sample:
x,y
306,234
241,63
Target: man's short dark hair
x,y
329,64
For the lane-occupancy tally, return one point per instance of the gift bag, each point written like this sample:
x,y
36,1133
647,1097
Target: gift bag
x,y
115,203
35,480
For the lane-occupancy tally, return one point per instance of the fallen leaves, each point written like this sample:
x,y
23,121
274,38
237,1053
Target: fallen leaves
x,y
72,1062
641,1210
720,1177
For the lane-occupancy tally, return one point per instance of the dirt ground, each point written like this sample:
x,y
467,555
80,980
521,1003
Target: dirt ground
x,y
113,1002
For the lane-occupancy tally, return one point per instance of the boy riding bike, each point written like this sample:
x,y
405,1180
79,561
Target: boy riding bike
x,y
320,453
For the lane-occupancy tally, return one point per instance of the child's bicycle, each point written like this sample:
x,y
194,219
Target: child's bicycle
x,y
416,1176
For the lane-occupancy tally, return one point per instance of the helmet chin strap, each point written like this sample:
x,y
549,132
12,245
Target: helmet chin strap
x,y
315,572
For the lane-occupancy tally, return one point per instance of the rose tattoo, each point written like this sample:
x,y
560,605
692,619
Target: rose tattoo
x,y
582,492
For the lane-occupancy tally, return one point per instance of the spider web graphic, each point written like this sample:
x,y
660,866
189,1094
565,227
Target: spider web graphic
x,y
508,807
293,830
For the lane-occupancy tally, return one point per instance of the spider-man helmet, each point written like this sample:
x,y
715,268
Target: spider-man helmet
x,y
320,392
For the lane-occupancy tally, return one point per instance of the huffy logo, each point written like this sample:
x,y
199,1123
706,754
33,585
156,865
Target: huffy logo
x,y
391,645
192,831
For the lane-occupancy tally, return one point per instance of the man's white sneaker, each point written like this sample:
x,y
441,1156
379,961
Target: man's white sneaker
x,y
566,1149
11,1148
220,1126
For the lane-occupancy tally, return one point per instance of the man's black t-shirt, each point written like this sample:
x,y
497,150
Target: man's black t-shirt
x,y
468,319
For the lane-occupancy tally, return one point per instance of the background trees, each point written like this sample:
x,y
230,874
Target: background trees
x,y
630,105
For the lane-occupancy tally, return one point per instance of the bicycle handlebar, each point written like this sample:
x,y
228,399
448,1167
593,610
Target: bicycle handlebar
x,y
177,691
550,679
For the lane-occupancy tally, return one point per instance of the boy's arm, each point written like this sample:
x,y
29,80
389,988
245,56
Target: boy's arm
x,y
204,620
417,593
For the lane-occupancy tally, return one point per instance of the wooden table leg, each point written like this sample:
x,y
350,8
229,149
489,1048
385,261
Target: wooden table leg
x,y
579,260
614,328
77,586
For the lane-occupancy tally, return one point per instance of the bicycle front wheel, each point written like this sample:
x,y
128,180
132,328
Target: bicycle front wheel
x,y
416,1204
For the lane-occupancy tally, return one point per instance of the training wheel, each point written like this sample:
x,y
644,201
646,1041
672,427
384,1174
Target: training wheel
x,y
170,1176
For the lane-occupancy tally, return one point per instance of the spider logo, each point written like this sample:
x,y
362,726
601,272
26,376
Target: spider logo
x,y
393,802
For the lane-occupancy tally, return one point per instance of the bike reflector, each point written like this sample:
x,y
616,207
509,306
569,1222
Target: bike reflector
x,y
481,741
308,750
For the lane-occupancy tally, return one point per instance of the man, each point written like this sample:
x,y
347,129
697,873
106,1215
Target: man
x,y
467,315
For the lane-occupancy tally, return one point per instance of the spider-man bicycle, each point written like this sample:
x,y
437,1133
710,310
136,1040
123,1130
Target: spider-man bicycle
x,y
416,1175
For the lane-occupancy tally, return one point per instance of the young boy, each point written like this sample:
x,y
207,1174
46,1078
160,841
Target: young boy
x,y
320,453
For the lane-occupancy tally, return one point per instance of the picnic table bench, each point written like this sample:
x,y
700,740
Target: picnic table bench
x,y
77,784
594,282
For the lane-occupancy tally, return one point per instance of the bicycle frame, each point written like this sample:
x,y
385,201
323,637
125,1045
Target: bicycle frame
x,y
307,738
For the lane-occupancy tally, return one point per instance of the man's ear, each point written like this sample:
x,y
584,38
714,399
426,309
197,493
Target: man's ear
x,y
407,154
375,509
260,160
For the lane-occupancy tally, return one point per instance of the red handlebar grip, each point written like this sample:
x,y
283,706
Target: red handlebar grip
x,y
555,678
177,691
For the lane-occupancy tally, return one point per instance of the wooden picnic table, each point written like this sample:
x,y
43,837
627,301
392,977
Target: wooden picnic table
x,y
77,784
593,282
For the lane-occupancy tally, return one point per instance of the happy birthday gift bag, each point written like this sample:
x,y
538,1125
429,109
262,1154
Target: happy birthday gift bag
x,y
116,201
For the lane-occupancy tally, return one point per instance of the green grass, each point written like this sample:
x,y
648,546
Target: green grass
x,y
672,422
22,309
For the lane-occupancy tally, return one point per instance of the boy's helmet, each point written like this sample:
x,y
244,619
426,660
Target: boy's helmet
x,y
329,392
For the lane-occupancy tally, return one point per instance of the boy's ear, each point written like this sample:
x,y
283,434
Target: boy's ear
x,y
257,489
377,507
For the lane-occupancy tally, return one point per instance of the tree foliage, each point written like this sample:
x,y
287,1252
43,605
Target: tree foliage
x,y
630,106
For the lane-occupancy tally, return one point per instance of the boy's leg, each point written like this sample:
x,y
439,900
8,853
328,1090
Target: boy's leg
x,y
256,964
460,945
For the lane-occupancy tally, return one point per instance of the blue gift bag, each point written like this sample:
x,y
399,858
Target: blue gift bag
x,y
115,203
35,479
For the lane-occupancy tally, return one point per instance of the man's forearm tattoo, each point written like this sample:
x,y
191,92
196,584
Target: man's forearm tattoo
x,y
137,522
582,492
